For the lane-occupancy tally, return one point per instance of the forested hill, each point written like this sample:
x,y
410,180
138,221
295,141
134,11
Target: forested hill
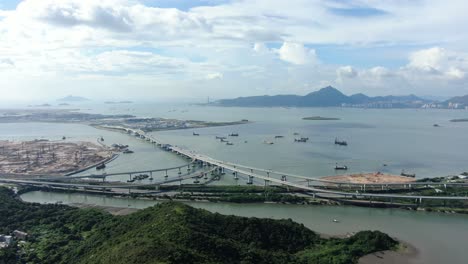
x,y
328,96
169,233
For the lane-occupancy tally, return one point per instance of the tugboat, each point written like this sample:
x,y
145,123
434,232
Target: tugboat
x,y
101,166
340,142
343,167
411,175
195,134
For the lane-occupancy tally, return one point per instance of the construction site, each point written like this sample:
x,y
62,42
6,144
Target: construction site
x,y
44,157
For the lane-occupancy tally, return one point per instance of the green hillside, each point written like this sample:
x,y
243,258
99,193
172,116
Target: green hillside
x,y
170,233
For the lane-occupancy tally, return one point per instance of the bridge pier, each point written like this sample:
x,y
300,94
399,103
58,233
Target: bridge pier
x,y
250,180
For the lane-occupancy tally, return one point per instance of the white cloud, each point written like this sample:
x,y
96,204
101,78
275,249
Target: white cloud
x,y
346,72
214,76
260,47
56,40
296,53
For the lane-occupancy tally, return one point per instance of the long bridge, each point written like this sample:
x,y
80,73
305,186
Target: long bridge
x,y
268,176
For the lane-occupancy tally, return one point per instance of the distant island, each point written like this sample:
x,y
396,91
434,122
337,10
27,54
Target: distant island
x,y
319,118
332,97
459,120
118,102
72,98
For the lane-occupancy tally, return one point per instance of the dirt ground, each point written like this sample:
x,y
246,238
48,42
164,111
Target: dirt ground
x,y
370,178
48,157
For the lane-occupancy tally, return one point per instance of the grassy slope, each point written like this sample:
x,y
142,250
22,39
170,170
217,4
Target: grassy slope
x,y
173,233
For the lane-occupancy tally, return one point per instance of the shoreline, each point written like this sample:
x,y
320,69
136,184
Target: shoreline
x,y
405,254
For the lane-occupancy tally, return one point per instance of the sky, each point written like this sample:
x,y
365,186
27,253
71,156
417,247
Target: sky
x,y
191,49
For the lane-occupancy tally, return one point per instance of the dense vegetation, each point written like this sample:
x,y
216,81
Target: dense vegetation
x,y
169,233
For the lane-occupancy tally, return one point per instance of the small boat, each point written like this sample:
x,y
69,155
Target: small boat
x,y
101,166
279,136
64,137
127,151
340,142
195,134
132,180
151,178
436,125
218,137
59,202
296,134
102,139
335,221
268,142
229,143
411,175
343,167
234,135
300,140
196,181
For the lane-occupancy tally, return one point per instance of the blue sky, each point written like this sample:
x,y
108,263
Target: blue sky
x,y
178,48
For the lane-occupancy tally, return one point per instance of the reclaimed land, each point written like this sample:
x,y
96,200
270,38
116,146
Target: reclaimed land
x,y
169,233
366,178
106,121
40,157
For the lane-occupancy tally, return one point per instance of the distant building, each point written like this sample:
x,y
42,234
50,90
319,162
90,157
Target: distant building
x,y
20,235
5,241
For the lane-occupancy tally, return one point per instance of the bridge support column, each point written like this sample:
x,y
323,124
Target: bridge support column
x,y
364,187
445,186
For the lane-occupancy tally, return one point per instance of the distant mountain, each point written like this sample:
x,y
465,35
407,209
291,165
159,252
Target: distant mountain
x,y
458,99
324,97
72,98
